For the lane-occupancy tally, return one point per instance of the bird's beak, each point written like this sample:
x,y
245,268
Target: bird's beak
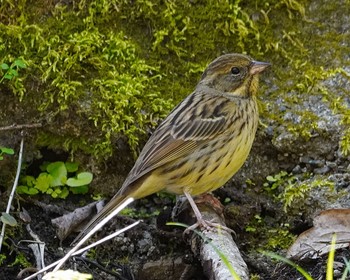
x,y
258,67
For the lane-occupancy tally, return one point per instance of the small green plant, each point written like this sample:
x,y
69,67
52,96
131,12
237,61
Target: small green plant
x,y
21,260
58,179
304,273
273,182
2,258
289,262
11,71
292,190
138,214
279,238
296,192
255,224
5,151
8,219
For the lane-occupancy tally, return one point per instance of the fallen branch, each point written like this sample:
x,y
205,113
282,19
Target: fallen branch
x,y
20,126
218,253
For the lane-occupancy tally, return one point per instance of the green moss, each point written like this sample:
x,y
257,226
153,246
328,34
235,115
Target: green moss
x,y
279,238
21,260
296,194
294,191
268,237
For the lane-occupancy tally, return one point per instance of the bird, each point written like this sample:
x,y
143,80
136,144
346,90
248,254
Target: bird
x,y
203,141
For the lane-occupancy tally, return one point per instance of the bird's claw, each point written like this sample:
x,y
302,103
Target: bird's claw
x,y
207,225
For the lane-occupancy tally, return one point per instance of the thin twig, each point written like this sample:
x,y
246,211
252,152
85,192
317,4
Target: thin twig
x,y
84,249
20,126
12,194
93,230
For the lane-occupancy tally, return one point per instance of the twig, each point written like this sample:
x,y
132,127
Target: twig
x,y
84,249
95,229
20,126
101,267
12,194
38,249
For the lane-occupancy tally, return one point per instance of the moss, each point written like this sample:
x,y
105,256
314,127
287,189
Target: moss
x,y
97,77
297,192
261,235
114,68
295,195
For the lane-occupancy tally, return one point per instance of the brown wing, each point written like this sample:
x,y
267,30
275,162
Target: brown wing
x,y
181,133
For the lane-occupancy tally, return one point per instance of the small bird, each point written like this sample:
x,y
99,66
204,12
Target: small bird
x,y
203,142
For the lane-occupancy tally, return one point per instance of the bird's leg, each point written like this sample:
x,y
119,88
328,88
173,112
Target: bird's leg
x,y
201,222
197,213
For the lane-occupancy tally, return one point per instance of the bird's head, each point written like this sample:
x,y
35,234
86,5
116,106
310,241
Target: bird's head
x,y
234,73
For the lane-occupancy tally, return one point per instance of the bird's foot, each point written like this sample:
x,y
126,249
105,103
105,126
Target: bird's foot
x,y
201,222
207,225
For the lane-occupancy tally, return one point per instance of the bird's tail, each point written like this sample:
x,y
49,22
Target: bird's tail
x,y
106,210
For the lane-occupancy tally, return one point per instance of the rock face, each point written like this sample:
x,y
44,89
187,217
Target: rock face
x,y
299,163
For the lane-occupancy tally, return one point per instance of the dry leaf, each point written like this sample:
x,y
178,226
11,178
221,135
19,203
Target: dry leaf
x,y
315,242
71,221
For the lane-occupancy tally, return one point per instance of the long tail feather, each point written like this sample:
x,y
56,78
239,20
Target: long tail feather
x,y
106,210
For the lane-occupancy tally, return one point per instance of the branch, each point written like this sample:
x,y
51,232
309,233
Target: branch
x,y
20,126
218,253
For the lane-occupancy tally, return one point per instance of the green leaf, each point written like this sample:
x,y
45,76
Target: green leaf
x,y
29,181
8,76
43,167
72,166
8,219
26,190
64,193
80,190
32,191
83,178
43,182
20,63
271,179
4,66
58,172
289,262
7,151
12,72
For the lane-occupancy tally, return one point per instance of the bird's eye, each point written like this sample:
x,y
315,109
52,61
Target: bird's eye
x,y
235,71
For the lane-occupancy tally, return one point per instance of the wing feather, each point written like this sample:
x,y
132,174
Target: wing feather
x,y
180,137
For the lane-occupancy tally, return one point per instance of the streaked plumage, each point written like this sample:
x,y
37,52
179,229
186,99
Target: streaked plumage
x,y
205,139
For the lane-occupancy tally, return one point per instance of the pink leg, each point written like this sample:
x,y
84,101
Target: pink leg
x,y
208,225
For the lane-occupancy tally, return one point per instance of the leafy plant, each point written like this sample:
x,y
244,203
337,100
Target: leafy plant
x,y
21,260
58,179
2,258
5,151
11,71
273,182
8,219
